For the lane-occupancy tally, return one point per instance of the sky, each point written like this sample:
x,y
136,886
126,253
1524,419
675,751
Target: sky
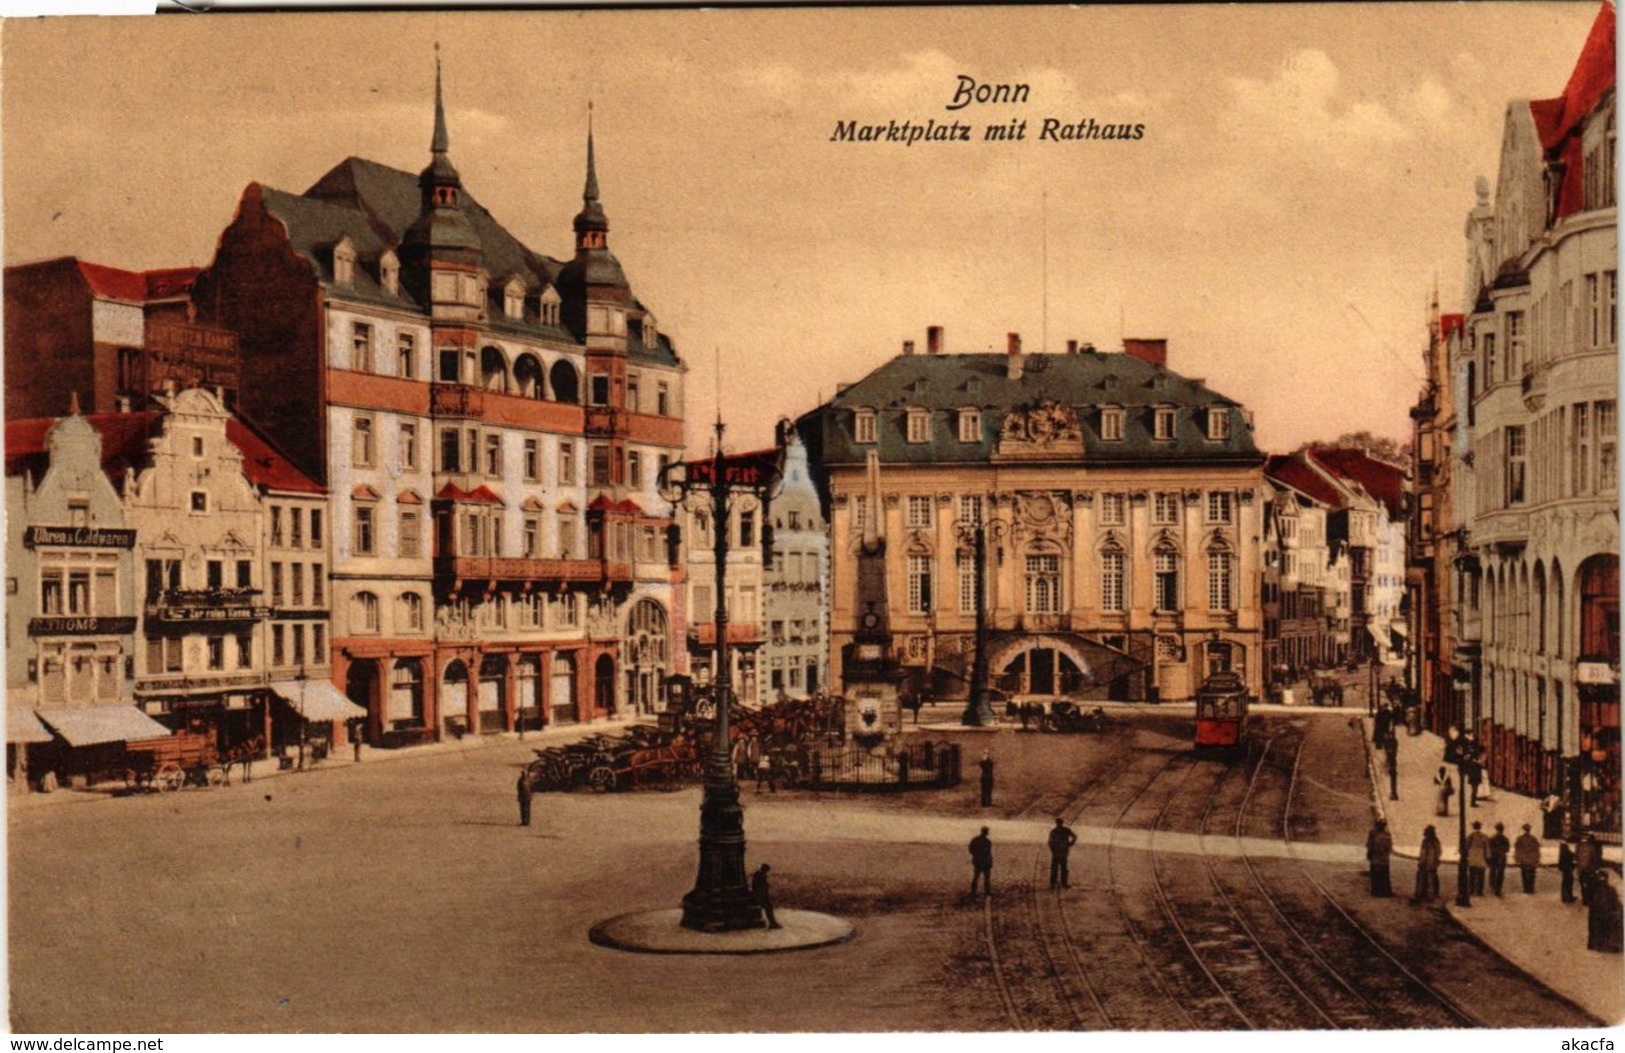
x,y
1299,188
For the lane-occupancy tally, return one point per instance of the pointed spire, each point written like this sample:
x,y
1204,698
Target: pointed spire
x,y
441,142
73,403
590,194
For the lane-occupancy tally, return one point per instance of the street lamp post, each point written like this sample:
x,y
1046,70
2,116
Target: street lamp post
x,y
720,900
978,707
1457,752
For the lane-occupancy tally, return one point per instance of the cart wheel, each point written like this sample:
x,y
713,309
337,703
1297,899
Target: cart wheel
x,y
602,779
217,775
170,777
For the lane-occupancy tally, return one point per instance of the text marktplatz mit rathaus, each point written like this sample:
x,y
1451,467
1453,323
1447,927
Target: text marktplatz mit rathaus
x,y
1051,129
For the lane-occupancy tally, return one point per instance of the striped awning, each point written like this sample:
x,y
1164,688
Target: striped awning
x,y
23,726
93,725
317,700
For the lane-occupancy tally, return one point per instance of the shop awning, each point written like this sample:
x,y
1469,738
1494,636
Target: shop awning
x,y
93,725
23,726
317,700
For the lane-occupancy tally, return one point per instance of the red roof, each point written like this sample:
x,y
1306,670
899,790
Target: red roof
x,y
481,494
125,438
137,286
602,503
1384,481
1556,119
1451,324
1290,470
264,464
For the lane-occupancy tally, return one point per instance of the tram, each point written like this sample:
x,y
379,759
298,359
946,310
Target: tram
x,y
1221,713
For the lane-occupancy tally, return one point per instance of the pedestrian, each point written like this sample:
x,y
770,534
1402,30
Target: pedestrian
x,y
1390,751
986,764
981,862
1526,853
1427,868
524,797
1445,789
1379,847
1500,848
1587,857
764,898
355,742
1478,859
764,773
1383,724
1565,866
1603,920
1061,840
1473,770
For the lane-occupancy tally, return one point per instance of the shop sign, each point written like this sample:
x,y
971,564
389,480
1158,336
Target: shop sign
x,y
85,626
188,683
1595,673
78,537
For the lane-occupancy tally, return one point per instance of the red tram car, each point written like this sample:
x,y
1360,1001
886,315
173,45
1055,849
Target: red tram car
x,y
1221,713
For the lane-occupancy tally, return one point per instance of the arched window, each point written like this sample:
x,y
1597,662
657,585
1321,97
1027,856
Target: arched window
x,y
493,369
454,697
1165,565
1220,589
364,613
527,373
1043,583
411,612
564,382
1560,613
1540,608
1111,580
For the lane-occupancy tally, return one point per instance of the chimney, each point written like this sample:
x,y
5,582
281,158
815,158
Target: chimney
x,y
933,340
1154,351
1013,356
908,347
1071,347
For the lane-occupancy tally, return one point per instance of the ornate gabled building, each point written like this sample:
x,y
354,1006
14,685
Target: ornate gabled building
x,y
1535,467
490,422
1309,570
1119,502
178,564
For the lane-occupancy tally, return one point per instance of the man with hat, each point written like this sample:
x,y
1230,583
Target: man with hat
x,y
1526,853
1379,847
1500,848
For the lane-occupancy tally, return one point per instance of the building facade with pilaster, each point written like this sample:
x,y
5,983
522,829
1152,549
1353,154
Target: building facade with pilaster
x,y
1119,502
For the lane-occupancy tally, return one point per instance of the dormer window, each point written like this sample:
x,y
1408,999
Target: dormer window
x,y
919,425
344,262
1108,383
1218,422
389,272
863,426
1111,423
550,306
513,299
651,332
970,425
1162,423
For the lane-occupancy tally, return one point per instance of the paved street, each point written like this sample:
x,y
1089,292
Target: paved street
x,y
401,895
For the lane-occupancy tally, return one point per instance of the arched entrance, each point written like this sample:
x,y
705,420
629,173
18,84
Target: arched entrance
x,y
562,689
603,684
528,682
403,711
493,693
647,655
454,699
361,687
1057,664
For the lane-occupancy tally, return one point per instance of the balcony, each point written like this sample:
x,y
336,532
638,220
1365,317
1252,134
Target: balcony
x,y
496,568
602,420
456,400
185,606
704,634
1043,623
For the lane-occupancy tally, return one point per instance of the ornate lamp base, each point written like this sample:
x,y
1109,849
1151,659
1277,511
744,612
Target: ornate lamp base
x,y
721,900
